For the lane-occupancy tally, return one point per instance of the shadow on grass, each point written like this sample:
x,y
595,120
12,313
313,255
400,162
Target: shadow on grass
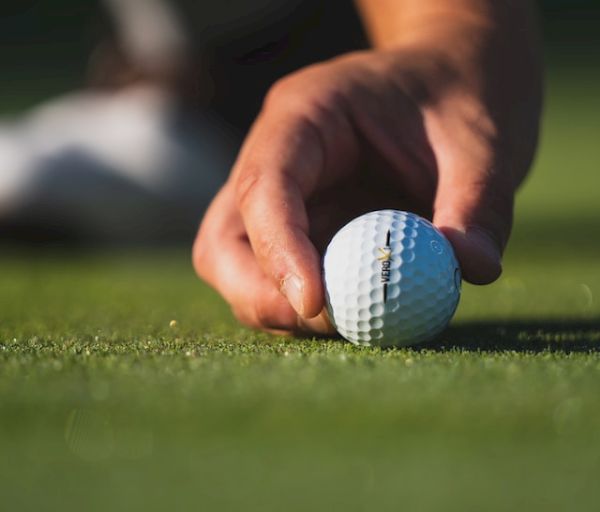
x,y
521,336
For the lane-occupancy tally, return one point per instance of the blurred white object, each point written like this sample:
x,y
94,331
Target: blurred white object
x,y
120,166
151,32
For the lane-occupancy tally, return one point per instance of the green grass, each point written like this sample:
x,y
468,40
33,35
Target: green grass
x,y
104,406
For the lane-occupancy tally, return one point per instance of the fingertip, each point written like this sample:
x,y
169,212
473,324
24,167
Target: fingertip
x,y
478,253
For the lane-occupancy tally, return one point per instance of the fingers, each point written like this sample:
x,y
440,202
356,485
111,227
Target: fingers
x,y
275,219
283,162
223,257
474,208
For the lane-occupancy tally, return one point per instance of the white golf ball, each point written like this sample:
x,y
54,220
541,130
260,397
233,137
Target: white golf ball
x,y
391,279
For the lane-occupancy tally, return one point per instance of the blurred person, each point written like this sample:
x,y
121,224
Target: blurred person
x,y
440,116
139,153
123,160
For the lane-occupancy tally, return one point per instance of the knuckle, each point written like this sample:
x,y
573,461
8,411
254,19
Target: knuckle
x,y
283,91
246,186
200,257
305,92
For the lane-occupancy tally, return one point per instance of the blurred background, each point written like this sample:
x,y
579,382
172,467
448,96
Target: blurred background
x,y
119,119
143,104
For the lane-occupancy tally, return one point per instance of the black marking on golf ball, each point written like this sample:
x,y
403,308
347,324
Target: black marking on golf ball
x,y
385,256
457,279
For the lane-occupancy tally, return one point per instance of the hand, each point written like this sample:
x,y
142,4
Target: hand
x,y
401,129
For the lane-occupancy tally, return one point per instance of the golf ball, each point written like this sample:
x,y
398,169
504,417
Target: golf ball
x,y
391,279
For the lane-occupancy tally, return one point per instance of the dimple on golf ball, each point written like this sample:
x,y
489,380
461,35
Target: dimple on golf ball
x,y
391,279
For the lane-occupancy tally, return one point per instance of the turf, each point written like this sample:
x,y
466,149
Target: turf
x,y
105,406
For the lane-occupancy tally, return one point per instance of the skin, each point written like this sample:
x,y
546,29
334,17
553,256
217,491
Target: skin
x,y
441,118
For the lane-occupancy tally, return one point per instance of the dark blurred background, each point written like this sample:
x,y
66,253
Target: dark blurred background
x,y
45,45
238,48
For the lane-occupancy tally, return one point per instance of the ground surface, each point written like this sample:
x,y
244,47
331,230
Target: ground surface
x,y
104,406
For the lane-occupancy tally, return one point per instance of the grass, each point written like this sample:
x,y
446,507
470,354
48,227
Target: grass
x,y
104,406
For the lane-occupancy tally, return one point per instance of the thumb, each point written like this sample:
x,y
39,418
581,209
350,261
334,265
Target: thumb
x,y
474,209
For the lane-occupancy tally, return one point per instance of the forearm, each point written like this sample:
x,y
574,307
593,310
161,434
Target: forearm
x,y
398,22
468,34
486,51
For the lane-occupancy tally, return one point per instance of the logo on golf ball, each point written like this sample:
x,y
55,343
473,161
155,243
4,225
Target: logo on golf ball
x,y
436,247
385,257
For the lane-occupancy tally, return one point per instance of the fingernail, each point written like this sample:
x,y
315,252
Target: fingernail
x,y
292,287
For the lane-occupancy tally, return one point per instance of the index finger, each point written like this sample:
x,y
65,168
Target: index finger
x,y
277,172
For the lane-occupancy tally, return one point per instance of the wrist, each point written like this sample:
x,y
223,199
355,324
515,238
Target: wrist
x,y
472,39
